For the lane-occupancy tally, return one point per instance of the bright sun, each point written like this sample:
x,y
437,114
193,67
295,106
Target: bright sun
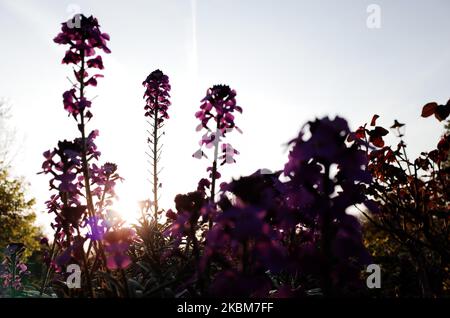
x,y
127,209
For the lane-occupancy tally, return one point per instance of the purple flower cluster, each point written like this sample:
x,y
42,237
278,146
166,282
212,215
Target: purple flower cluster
x,y
157,95
12,269
64,163
83,41
15,281
244,240
104,180
326,178
84,189
116,245
186,222
218,105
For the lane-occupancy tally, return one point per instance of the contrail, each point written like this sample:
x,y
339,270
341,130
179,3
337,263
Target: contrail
x,y
194,53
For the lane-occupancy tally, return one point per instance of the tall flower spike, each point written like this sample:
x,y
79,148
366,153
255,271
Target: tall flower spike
x,y
83,39
319,196
218,106
73,172
157,96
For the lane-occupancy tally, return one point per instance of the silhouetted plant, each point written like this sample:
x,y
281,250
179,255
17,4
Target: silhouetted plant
x,y
328,176
156,95
294,236
13,270
244,244
413,198
83,190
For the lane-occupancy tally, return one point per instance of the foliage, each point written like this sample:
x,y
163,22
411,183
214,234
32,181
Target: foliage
x,y
413,197
14,270
16,215
282,238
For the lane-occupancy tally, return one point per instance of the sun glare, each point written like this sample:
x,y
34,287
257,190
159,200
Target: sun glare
x,y
127,209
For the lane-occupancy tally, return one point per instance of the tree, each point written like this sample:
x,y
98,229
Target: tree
x,y
6,135
399,275
16,215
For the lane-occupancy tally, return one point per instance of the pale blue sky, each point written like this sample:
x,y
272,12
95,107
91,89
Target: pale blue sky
x,y
289,61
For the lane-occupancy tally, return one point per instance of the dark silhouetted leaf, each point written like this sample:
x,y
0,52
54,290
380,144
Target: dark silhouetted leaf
x,y
374,120
429,109
442,112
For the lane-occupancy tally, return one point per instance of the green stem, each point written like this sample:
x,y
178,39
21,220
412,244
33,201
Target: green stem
x,y
155,161
214,167
83,143
326,236
47,273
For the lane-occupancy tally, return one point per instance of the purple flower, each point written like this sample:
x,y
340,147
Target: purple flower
x,y
74,252
66,182
71,57
83,41
219,104
22,268
116,245
109,168
97,228
117,259
96,62
104,178
189,208
228,153
203,185
257,189
171,215
85,38
326,176
157,95
63,163
69,101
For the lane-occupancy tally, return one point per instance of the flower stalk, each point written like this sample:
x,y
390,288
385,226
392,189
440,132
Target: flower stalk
x,y
157,96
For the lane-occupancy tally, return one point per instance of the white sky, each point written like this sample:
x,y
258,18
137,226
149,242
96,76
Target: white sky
x,y
289,61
